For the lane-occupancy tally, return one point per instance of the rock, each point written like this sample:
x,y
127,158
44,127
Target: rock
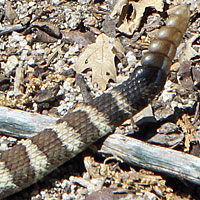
x,y
196,76
131,58
167,140
11,63
84,2
55,2
2,2
164,112
31,62
167,95
168,135
17,37
168,128
4,83
144,116
30,4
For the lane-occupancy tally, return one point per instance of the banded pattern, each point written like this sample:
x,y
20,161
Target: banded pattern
x,y
163,49
74,132
32,159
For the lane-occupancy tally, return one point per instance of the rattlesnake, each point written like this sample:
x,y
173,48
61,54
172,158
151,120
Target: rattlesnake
x,y
32,159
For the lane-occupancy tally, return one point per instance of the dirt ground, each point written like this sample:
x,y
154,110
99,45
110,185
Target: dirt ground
x,y
44,44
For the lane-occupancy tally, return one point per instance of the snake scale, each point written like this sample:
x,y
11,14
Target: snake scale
x,y
32,159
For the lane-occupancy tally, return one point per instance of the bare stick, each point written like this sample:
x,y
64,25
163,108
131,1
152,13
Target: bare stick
x,y
155,158
18,123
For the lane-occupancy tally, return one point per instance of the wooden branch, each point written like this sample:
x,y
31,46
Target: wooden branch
x,y
155,158
133,151
18,123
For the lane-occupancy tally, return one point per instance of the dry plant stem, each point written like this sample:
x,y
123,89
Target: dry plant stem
x,y
19,78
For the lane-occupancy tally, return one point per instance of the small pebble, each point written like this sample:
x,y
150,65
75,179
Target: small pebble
x,y
55,2
84,2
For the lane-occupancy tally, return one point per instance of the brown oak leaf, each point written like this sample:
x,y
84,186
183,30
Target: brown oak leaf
x,y
100,58
128,23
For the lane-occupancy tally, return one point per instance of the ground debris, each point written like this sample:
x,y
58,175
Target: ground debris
x,y
41,43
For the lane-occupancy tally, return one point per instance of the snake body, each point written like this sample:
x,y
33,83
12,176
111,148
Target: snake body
x,y
32,159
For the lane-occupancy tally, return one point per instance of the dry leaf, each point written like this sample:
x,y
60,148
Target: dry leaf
x,y
101,59
118,8
196,76
121,9
10,13
142,4
129,24
184,76
188,51
78,37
